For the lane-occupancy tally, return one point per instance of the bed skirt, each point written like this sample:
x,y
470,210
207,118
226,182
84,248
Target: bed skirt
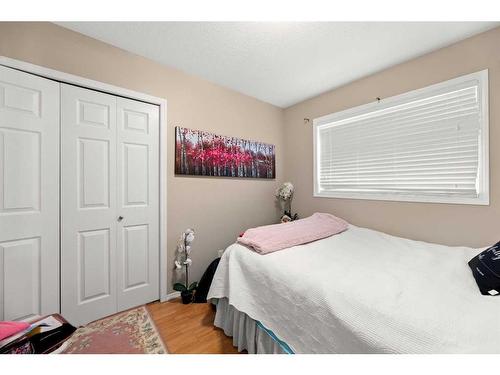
x,y
247,334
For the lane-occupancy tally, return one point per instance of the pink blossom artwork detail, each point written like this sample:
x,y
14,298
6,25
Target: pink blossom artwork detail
x,y
202,153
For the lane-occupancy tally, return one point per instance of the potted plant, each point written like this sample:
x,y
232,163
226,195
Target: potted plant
x,y
285,194
184,261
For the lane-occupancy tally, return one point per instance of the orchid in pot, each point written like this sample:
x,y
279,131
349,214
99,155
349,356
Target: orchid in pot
x,y
285,194
183,260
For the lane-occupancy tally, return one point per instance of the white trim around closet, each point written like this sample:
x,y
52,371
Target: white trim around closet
x,y
115,90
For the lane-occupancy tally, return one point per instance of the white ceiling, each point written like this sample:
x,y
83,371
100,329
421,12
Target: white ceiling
x,y
280,63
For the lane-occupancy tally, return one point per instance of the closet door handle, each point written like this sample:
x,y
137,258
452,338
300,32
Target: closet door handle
x,y
120,218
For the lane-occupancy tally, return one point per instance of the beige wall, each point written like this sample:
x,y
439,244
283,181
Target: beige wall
x,y
217,208
441,223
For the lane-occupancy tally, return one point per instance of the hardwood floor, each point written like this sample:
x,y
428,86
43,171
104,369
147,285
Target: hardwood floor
x,y
189,329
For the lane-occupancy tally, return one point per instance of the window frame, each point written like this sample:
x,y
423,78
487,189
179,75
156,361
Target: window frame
x,y
483,164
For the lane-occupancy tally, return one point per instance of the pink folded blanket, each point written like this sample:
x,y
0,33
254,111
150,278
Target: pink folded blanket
x,y
269,238
11,328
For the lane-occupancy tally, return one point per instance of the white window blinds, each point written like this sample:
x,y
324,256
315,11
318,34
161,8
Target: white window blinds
x,y
425,145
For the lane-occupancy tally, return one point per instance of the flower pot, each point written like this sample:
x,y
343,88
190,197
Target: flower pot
x,y
187,296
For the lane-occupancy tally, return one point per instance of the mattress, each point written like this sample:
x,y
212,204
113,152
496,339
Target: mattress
x,y
363,291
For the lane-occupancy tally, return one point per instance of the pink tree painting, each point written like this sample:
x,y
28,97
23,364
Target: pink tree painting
x,y
205,154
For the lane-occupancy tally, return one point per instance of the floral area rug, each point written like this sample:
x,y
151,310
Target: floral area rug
x,y
129,332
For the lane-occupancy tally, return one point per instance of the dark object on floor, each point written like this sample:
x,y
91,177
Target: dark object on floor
x,y
205,282
43,339
486,270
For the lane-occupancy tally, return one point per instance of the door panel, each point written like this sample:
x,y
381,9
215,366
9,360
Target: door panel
x,y
15,97
21,265
137,197
29,195
136,254
88,198
94,260
135,175
94,114
21,170
93,173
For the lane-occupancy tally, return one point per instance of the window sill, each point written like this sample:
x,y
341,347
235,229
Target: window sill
x,y
482,200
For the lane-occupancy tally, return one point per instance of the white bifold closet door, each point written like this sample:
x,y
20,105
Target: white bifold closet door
x,y
110,209
29,195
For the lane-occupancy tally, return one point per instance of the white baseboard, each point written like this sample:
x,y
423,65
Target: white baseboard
x,y
172,295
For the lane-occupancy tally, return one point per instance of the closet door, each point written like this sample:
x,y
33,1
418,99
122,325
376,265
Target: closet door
x,y
29,195
137,200
88,198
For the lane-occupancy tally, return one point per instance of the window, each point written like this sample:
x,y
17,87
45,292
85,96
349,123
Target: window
x,y
427,145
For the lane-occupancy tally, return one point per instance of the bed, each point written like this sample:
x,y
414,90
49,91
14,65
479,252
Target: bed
x,y
360,291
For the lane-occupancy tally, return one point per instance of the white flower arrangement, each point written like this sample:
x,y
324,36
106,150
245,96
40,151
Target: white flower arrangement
x,y
285,194
183,260
285,191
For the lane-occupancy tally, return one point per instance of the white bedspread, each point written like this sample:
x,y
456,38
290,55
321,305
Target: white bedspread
x,y
363,291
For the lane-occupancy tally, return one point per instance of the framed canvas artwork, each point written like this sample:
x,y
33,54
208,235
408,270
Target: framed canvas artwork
x,y
200,153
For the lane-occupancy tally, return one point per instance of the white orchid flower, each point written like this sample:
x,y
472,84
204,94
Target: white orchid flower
x,y
184,249
188,235
285,191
